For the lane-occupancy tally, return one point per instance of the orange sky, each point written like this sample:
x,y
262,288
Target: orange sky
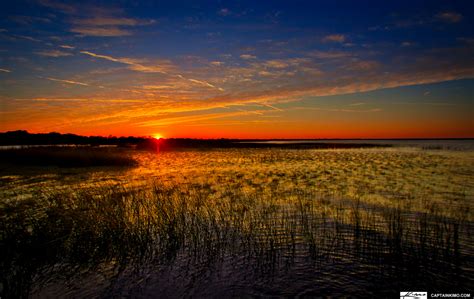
x,y
250,71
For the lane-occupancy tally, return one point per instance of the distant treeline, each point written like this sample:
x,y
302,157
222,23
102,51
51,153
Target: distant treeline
x,y
24,138
177,143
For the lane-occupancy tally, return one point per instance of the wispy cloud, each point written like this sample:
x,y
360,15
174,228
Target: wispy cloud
x,y
256,112
405,22
98,31
65,81
217,63
196,118
63,7
28,20
53,53
248,56
272,107
295,79
449,17
224,12
364,65
27,38
159,87
330,54
86,100
134,64
90,20
418,103
67,47
338,109
277,64
335,38
223,122
204,83
5,71
100,21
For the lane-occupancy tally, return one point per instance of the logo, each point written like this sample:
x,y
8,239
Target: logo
x,y
413,295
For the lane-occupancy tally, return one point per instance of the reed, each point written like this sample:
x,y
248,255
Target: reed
x,y
62,233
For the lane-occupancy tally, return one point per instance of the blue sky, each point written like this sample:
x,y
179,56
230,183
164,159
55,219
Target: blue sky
x,y
247,69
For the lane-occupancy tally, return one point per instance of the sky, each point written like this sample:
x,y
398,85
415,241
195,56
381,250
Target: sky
x,y
238,69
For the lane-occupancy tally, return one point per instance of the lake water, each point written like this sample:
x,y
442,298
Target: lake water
x,y
446,144
242,222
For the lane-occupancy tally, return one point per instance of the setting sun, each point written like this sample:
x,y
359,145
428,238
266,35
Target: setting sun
x,y
157,136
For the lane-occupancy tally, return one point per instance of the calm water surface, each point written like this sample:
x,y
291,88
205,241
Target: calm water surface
x,y
446,144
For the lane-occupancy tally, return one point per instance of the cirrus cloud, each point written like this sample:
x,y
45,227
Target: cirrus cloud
x,y
53,53
334,38
449,17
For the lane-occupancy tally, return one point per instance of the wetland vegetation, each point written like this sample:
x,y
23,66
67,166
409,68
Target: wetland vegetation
x,y
241,222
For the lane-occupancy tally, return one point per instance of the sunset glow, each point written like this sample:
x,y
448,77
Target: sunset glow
x,y
240,70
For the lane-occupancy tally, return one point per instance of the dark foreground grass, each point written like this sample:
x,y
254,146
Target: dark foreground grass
x,y
67,157
57,235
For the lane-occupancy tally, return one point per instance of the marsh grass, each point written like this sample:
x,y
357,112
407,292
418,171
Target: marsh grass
x,y
345,222
67,157
57,235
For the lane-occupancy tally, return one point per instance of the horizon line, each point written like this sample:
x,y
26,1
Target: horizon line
x,y
257,139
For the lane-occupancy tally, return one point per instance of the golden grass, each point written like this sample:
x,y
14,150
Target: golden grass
x,y
406,209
